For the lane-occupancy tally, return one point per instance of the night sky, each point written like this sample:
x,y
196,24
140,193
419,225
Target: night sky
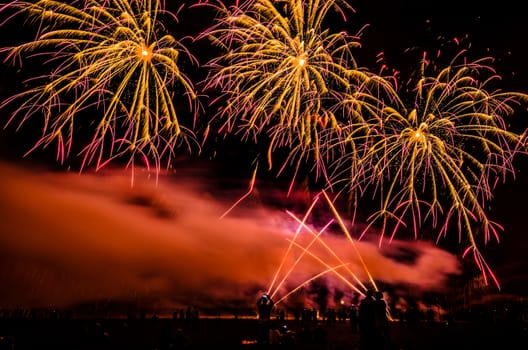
x,y
72,239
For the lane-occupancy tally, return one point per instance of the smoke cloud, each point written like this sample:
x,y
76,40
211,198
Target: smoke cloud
x,y
70,239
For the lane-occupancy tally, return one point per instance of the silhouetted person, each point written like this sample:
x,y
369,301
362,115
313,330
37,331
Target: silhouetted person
x,y
282,315
381,323
195,313
412,315
188,316
319,334
180,340
353,316
366,321
296,315
264,307
430,315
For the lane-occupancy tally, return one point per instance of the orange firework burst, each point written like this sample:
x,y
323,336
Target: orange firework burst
x,y
438,159
283,74
112,62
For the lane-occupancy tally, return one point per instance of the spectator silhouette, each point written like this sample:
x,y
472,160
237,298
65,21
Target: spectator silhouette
x,y
366,321
188,316
353,316
264,307
381,323
180,339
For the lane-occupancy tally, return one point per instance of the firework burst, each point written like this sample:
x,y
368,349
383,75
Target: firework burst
x,y
283,74
437,159
109,66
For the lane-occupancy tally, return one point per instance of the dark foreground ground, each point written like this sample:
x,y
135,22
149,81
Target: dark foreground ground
x,y
221,333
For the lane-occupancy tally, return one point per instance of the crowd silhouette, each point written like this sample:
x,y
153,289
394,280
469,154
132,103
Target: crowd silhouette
x,y
277,324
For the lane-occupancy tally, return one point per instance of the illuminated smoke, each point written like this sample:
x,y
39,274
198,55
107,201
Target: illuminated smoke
x,y
69,239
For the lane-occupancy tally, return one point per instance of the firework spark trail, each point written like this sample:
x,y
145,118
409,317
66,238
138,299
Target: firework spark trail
x,y
438,160
249,191
113,55
293,265
286,254
283,73
313,278
349,238
317,238
329,269
306,250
